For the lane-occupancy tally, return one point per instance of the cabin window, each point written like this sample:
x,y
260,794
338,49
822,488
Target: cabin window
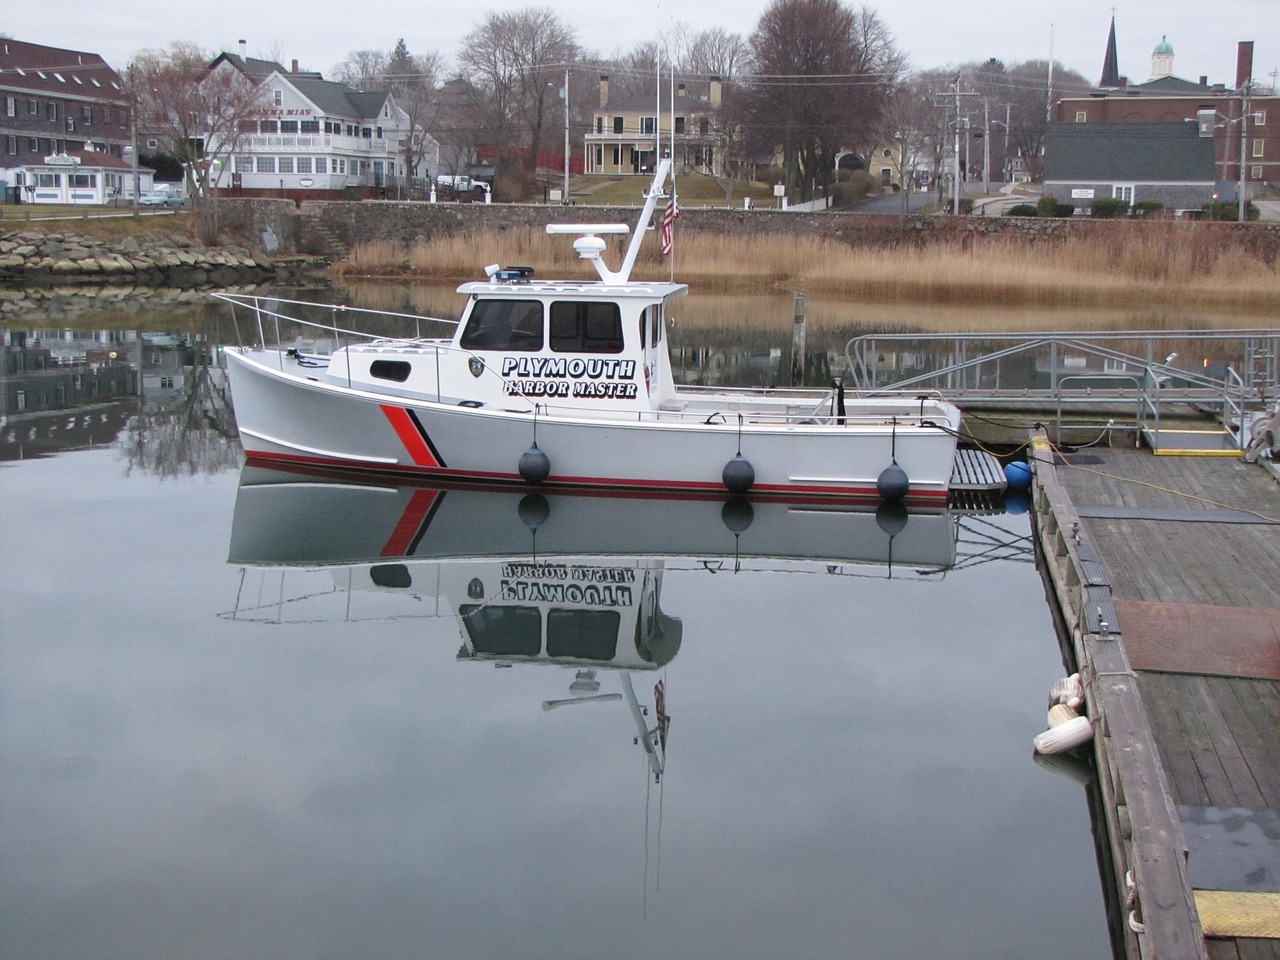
x,y
397,370
504,325
585,327
584,634
503,631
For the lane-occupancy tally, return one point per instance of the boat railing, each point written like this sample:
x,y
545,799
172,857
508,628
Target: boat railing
x,y
274,327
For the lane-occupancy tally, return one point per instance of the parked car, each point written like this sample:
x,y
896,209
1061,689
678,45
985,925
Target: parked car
x,y
162,198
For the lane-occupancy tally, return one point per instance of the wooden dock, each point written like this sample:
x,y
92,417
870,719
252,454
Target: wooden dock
x,y
1167,576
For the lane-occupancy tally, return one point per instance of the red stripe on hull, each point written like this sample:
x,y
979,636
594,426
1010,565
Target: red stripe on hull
x,y
407,430
764,492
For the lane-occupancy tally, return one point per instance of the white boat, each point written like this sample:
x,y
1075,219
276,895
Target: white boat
x,y
565,384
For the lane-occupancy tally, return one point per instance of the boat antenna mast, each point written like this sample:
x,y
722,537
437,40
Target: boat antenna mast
x,y
590,245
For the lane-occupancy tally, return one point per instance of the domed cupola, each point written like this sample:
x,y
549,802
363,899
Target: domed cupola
x,y
1162,59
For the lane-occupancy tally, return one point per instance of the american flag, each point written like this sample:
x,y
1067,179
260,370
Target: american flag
x,y
660,708
669,223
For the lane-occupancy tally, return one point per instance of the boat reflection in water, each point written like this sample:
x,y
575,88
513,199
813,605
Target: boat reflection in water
x,y
567,580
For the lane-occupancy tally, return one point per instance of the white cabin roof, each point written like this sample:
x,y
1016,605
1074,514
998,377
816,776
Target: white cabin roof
x,y
592,289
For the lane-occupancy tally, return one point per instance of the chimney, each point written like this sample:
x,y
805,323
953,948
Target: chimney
x,y
1244,63
604,91
680,90
244,49
714,93
295,67
1204,79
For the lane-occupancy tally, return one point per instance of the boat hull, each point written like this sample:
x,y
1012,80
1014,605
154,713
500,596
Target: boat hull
x,y
290,418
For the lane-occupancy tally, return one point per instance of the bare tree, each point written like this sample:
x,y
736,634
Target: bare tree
x,y
198,111
412,80
513,61
362,70
821,74
913,124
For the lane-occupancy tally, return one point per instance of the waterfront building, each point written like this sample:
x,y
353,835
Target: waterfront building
x,y
65,130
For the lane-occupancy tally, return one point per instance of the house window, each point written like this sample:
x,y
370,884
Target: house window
x,y
599,157
288,126
1255,173
48,179
266,164
617,156
704,127
51,111
11,144
1123,191
244,164
33,108
366,132
83,179
1257,148
617,124
647,124
679,124
1082,116
304,164
268,126
322,164
33,144
310,126
10,107
1260,118
286,165
599,124
277,97
86,114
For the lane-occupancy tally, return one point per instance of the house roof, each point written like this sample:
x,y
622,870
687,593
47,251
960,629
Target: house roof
x,y
57,72
1141,152
337,99
251,67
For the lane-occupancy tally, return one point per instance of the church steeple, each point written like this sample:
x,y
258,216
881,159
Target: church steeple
x,y
1162,59
1111,62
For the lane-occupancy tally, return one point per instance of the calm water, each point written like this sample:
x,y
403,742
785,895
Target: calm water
x,y
229,729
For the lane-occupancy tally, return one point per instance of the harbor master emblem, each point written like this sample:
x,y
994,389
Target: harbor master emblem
x,y
476,366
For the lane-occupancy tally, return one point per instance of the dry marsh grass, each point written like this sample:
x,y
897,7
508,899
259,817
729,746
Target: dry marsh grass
x,y
1139,265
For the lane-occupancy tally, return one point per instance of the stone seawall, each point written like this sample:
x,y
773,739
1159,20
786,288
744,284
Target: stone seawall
x,y
316,225
36,258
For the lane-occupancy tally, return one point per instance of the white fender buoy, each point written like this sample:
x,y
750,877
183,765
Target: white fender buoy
x,y
1060,713
1068,690
1065,736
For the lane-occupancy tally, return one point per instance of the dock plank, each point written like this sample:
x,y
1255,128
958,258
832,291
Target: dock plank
x,y
1212,704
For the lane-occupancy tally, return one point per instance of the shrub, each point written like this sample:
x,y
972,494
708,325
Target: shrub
x,y
853,186
1148,208
1108,207
1229,210
1022,210
1047,205
1063,210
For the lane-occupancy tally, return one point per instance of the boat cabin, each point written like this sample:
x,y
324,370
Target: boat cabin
x,y
564,344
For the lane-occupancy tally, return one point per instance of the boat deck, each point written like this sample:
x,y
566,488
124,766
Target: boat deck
x,y
1182,554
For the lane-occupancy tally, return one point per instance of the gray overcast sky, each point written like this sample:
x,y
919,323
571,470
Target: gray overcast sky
x,y
320,33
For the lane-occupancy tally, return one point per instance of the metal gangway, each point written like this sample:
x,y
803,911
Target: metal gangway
x,y
1135,378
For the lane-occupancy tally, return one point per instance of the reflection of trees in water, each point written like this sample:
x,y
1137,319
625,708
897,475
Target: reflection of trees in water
x,y
190,431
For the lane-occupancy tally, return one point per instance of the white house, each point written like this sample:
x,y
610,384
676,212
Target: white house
x,y
316,139
87,177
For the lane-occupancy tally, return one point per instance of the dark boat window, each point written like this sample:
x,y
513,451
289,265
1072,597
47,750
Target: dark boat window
x,y
391,575
397,370
651,319
503,631
585,634
578,327
504,325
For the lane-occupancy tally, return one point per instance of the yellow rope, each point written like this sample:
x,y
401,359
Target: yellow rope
x,y
1156,486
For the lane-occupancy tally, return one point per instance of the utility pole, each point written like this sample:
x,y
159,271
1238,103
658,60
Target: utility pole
x,y
955,155
1246,89
565,196
986,145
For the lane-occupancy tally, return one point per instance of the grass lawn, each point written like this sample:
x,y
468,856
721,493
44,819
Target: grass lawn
x,y
694,191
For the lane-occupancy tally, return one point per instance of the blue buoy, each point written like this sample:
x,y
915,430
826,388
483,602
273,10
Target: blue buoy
x,y
892,484
1018,474
1016,502
738,474
534,465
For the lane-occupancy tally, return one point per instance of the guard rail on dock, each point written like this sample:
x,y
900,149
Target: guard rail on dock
x,y
1229,372
1147,846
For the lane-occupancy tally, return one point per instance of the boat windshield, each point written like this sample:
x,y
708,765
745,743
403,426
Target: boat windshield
x,y
504,325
